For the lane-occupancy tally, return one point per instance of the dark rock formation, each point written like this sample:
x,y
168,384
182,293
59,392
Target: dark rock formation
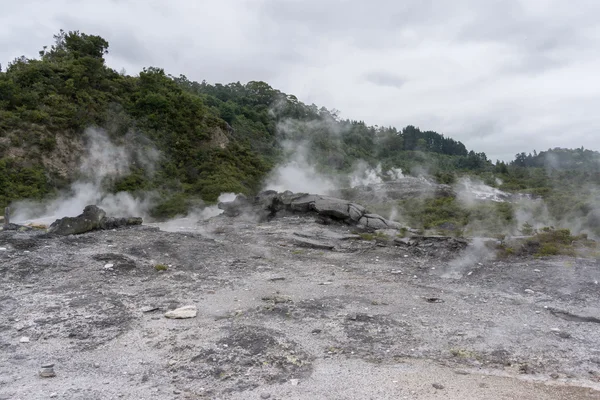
x,y
114,223
270,204
92,218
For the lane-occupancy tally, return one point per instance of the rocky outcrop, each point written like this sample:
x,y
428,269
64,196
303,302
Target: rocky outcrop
x,y
270,204
92,218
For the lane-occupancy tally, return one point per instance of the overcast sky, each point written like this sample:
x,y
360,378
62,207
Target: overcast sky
x,y
502,76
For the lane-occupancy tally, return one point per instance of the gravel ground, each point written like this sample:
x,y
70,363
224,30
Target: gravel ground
x,y
286,316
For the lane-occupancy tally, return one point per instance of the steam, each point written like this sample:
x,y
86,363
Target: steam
x,y
298,174
103,162
470,190
192,222
473,257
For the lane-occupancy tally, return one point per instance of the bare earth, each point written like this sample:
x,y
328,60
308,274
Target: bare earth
x,y
280,320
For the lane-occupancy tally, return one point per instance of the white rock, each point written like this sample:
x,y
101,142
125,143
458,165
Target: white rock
x,y
109,266
24,339
529,291
182,312
3,248
294,382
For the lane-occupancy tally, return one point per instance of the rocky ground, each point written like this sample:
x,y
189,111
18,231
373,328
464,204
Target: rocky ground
x,y
290,309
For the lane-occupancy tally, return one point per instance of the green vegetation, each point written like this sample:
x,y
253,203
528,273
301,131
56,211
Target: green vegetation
x,y
448,216
161,267
227,138
549,241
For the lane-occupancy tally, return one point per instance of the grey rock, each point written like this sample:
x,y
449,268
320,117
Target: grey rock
x,y
114,223
329,209
355,211
265,396
47,371
303,203
236,207
374,221
92,218
89,220
182,312
312,244
438,386
332,207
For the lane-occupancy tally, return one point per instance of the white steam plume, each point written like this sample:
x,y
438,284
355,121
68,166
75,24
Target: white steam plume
x,y
102,162
297,174
192,222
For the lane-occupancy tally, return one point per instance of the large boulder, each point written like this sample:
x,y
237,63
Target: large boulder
x,y
269,204
375,221
236,207
332,207
92,218
114,223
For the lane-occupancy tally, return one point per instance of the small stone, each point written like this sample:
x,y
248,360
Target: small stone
x,y
536,270
460,372
554,375
294,382
529,291
96,365
109,266
265,396
47,371
176,391
182,312
438,386
24,339
53,395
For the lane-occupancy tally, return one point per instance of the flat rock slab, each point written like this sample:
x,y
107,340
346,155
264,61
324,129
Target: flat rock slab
x,y
327,235
182,312
313,244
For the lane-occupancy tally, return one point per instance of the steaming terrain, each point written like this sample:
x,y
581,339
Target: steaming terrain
x,y
291,307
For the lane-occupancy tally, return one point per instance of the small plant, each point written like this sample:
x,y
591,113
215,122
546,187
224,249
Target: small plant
x,y
366,236
527,229
161,267
296,252
463,353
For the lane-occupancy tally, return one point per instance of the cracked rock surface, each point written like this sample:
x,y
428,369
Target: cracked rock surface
x,y
289,308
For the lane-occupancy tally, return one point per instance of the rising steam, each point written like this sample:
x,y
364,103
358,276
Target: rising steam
x,y
102,163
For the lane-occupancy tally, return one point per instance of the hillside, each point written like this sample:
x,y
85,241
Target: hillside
x,y
189,142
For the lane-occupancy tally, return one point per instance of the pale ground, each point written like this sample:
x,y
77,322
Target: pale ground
x,y
292,322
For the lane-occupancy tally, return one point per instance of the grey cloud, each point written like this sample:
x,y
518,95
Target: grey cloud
x,y
503,76
383,78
